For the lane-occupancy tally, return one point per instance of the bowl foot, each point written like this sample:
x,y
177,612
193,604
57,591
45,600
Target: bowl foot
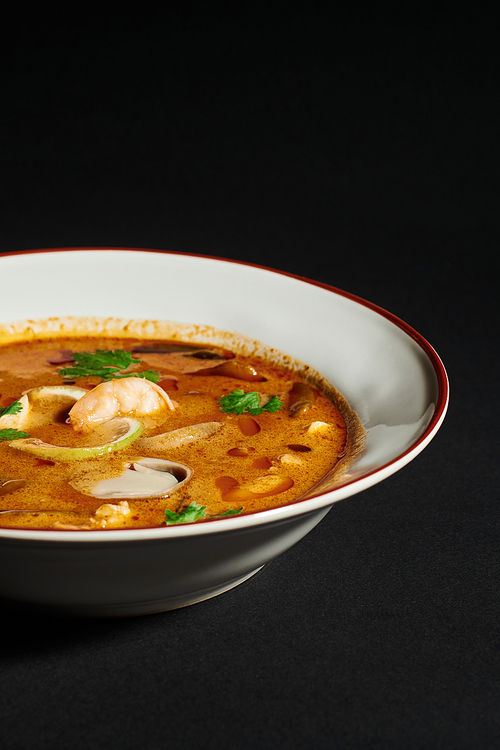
x,y
129,609
160,605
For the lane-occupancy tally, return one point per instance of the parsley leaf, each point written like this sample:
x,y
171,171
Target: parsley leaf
x,y
106,364
12,434
238,402
13,408
192,513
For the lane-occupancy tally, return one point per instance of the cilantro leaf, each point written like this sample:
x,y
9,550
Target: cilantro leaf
x,y
239,402
106,364
231,512
151,375
195,512
13,408
12,434
192,513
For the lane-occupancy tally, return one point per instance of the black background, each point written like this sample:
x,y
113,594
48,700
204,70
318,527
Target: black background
x,y
361,151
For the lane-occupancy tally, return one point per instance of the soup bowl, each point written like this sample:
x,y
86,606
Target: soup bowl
x,y
387,372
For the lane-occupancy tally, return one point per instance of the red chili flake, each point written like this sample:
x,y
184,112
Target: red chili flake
x,y
45,462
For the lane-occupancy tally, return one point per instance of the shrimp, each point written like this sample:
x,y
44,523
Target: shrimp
x,y
125,396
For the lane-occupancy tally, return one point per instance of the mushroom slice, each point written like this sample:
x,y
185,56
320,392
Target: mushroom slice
x,y
10,485
318,428
264,486
147,477
301,397
182,436
289,458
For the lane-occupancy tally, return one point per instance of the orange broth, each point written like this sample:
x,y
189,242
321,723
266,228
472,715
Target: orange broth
x,y
249,464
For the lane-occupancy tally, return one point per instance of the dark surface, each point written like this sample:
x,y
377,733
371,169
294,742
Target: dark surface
x,y
362,154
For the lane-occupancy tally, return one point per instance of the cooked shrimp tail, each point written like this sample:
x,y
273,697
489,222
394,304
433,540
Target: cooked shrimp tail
x,y
123,397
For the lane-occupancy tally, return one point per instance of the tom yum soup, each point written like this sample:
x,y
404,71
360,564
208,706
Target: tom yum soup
x,y
158,424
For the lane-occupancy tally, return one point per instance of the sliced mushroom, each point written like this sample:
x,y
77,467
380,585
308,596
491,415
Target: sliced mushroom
x,y
301,397
45,518
318,428
264,486
235,369
147,477
248,426
10,485
180,359
182,436
290,459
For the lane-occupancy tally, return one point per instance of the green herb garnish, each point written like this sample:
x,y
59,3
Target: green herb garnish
x,y
238,402
107,365
195,512
190,514
13,408
151,375
232,512
10,433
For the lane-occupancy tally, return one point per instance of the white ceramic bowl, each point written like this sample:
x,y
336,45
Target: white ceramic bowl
x,y
389,374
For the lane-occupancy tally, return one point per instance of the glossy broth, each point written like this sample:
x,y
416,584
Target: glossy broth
x,y
249,464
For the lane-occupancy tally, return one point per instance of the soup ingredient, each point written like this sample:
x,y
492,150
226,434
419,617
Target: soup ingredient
x,y
126,396
110,514
11,434
254,403
182,436
57,390
238,370
135,484
148,477
12,417
301,397
181,358
192,513
248,426
226,463
230,512
11,485
106,364
318,428
195,512
16,407
18,413
121,432
264,486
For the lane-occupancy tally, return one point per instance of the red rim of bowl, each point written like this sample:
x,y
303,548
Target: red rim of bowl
x,y
439,369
